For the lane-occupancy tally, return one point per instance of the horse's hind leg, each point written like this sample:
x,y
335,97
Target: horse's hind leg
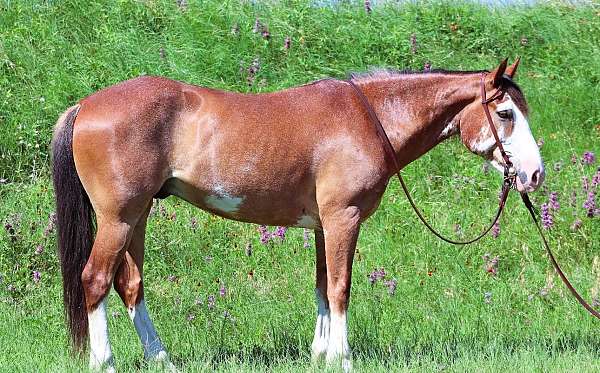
x,y
129,284
107,252
321,338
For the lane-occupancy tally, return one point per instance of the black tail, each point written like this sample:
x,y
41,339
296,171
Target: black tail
x,y
75,224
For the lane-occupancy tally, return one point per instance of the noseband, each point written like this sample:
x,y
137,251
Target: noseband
x,y
510,176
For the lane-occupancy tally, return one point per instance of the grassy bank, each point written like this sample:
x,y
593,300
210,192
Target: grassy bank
x,y
448,311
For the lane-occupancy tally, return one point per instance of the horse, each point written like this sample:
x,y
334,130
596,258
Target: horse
x,y
307,156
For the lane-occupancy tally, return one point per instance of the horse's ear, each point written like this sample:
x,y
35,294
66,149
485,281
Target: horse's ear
x,y
496,75
512,69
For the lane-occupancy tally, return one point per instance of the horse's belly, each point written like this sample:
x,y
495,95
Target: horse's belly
x,y
284,205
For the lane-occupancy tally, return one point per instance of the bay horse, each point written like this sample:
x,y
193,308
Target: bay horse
x,y
307,157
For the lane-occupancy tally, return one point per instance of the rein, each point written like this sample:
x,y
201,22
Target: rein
x,y
509,181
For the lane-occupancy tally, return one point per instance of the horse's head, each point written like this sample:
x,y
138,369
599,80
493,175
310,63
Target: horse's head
x,y
509,114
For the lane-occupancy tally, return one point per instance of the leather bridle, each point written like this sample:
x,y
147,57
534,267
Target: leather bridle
x,y
510,176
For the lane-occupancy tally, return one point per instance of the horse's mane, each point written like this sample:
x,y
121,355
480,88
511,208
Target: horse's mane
x,y
386,73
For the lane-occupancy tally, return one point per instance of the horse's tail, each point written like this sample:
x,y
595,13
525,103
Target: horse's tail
x,y
75,224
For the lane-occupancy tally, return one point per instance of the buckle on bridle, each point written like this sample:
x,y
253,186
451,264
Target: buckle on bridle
x,y
510,176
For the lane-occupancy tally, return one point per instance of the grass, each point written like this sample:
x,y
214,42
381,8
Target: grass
x,y
438,318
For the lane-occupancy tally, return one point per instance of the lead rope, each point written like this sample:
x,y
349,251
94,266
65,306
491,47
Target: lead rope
x,y
509,179
555,264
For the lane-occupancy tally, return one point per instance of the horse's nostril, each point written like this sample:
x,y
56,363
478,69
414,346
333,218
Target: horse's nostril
x,y
535,177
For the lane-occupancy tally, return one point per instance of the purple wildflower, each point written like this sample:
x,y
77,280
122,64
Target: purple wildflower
x,y
287,43
39,250
172,278
265,33
191,317
265,236
51,224
252,71
574,159
391,285
248,249
306,239
413,43
553,201
280,233
368,8
198,302
222,290
573,200
576,224
596,178
37,276
161,53
496,229
588,158
9,228
547,220
376,275
194,223
585,183
590,204
210,302
427,67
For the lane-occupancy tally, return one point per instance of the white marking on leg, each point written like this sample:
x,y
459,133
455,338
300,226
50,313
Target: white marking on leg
x,y
153,348
321,338
100,353
338,340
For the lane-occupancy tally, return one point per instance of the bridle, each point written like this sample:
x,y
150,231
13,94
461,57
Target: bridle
x,y
509,181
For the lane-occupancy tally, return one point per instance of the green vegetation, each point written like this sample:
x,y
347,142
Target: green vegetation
x,y
448,311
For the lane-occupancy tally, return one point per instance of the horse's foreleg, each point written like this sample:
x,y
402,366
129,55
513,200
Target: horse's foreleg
x,y
340,228
106,255
130,287
321,338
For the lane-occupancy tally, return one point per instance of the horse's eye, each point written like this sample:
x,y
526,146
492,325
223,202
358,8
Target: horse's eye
x,y
505,114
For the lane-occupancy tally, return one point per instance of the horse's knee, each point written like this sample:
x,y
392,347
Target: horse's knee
x,y
96,286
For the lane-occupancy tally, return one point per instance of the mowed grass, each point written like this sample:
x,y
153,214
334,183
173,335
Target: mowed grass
x,y
447,313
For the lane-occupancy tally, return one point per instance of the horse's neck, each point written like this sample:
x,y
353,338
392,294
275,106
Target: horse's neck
x,y
418,111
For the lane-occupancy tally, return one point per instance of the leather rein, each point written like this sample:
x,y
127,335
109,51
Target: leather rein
x,y
510,176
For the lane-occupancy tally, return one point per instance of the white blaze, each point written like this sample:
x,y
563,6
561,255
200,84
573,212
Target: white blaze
x,y
521,146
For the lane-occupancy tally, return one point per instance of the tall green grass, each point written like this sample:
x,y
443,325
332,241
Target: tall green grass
x,y
448,312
